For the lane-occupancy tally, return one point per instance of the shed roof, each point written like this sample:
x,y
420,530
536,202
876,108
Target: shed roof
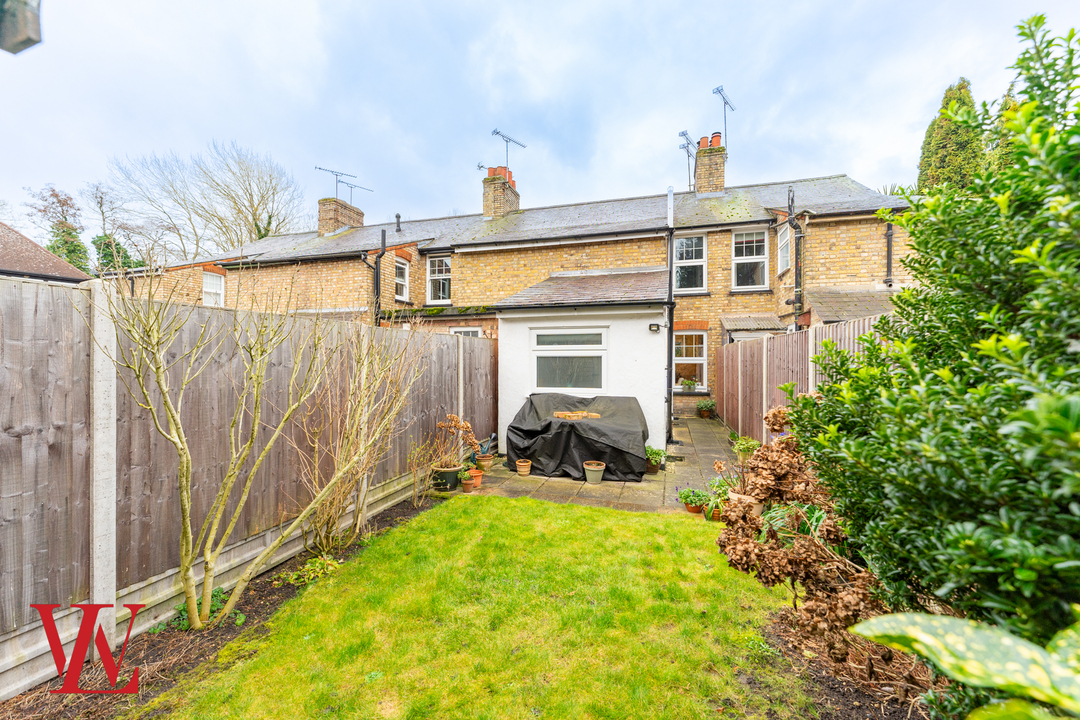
x,y
833,305
22,257
762,321
621,286
834,194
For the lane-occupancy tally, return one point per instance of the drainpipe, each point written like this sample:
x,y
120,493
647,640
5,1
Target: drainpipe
x,y
799,235
377,268
668,375
888,254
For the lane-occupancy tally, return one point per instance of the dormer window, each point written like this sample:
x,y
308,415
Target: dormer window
x,y
438,280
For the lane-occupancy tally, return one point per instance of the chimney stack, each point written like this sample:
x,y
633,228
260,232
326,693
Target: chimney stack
x,y
500,193
711,158
335,214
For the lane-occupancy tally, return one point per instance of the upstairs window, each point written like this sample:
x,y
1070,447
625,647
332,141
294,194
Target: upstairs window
x,y
783,248
401,280
689,264
750,261
213,289
438,285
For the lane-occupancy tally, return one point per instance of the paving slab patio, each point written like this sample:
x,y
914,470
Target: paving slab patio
x,y
699,443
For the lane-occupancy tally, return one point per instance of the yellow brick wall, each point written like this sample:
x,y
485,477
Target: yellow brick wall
x,y
182,285
482,278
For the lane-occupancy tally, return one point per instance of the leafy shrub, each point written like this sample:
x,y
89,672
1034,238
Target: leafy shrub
x,y
217,601
952,446
314,569
709,405
745,444
692,496
654,455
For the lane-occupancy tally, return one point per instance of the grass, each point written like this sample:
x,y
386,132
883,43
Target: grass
x,y
486,607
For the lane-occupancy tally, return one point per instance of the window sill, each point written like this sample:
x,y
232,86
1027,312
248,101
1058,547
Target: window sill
x,y
696,393
438,304
403,301
752,291
692,293
783,272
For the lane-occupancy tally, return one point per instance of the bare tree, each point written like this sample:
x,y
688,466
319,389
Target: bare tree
x,y
51,208
217,202
355,416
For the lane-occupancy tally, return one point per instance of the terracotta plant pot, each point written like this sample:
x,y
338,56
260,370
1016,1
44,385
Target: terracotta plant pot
x,y
483,462
715,516
651,468
758,508
705,413
594,471
524,467
477,476
467,485
693,508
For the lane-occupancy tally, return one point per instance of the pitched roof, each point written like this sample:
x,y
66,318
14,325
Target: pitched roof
x,y
22,257
621,286
751,322
835,194
833,305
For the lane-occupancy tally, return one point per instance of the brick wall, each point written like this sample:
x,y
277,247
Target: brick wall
x,y
500,193
709,166
183,285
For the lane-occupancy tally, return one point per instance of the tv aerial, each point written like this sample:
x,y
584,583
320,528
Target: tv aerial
x,y
337,177
689,147
727,104
354,187
507,139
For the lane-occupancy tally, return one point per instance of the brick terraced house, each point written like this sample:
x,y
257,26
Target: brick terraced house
x,y
737,267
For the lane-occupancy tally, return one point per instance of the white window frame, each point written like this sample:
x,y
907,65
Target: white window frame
x,y
449,262
703,262
218,280
401,262
736,261
570,351
783,239
703,360
473,331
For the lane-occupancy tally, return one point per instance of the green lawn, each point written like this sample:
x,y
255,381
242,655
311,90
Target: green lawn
x,y
486,607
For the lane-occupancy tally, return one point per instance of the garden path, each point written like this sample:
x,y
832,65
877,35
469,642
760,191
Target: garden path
x,y
689,464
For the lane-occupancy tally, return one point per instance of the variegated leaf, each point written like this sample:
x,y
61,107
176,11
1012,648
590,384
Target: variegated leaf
x,y
1011,710
979,655
1065,646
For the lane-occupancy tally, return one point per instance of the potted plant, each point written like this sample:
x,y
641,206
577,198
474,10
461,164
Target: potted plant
x,y
653,458
733,486
450,436
524,467
483,457
594,471
688,384
705,408
475,473
693,499
466,480
712,510
744,447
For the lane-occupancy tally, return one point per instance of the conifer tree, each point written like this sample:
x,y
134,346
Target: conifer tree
x,y
999,141
951,152
64,242
112,255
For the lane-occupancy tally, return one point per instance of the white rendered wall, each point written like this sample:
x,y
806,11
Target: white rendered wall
x,y
636,359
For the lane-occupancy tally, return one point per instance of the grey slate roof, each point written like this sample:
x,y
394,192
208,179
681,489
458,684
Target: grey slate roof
x,y
22,257
751,322
835,194
839,305
623,286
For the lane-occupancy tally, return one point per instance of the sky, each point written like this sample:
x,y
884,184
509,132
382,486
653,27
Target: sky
x,y
404,95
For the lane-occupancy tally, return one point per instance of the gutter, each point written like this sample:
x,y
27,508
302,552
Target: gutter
x,y
15,275
618,303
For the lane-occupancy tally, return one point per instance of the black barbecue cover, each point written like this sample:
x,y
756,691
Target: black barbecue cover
x,y
559,447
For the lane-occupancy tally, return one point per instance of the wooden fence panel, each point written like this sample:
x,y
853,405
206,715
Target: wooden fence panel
x,y
788,363
752,385
730,400
44,448
845,335
481,385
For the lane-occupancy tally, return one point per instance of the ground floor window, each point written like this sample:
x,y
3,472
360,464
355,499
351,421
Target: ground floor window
x,y
570,358
690,359
466,331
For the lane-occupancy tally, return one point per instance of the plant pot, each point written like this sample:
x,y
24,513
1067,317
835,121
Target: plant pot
x,y
524,467
705,413
483,462
758,507
446,479
467,485
693,508
744,457
477,476
594,471
713,516
651,468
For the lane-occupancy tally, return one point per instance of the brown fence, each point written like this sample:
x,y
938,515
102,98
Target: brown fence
x,y
49,371
750,373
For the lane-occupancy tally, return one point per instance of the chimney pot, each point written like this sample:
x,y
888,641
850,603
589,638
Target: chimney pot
x,y
715,140
500,193
703,142
491,172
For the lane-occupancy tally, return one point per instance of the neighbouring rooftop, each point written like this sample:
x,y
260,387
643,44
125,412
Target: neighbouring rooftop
x,y
841,305
629,286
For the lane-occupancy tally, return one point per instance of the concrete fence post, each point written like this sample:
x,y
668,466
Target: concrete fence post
x,y
103,459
